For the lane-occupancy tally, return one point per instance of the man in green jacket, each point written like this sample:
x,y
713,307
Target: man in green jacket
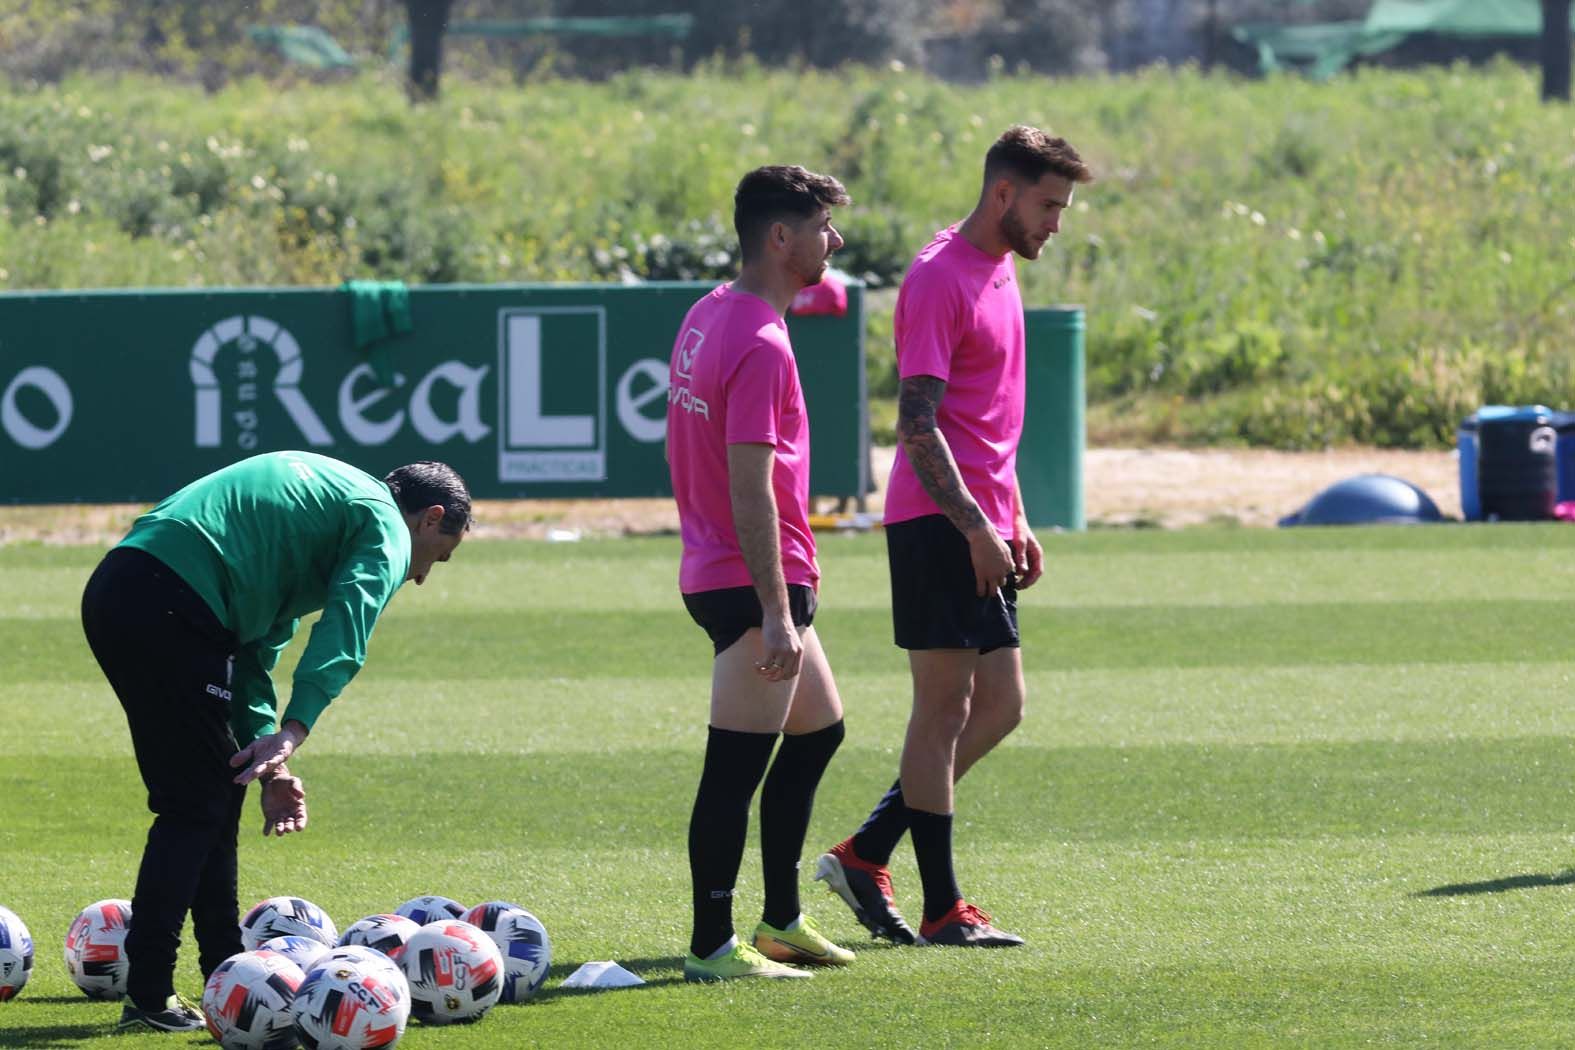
x,y
187,617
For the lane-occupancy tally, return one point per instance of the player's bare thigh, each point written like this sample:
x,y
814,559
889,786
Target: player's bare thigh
x,y
743,701
816,703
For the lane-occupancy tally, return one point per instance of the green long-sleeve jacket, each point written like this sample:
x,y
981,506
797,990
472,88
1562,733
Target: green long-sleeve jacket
x,y
271,539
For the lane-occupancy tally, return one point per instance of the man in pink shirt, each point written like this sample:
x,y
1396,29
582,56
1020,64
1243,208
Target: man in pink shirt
x,y
738,450
957,539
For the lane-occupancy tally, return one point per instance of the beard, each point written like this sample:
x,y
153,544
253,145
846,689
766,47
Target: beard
x,y
1017,237
811,273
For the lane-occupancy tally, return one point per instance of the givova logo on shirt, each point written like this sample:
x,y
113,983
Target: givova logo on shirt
x,y
683,368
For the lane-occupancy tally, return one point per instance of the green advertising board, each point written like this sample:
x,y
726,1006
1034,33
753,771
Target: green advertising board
x,y
529,391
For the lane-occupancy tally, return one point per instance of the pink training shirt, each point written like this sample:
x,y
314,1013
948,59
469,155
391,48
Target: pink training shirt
x,y
960,319
733,380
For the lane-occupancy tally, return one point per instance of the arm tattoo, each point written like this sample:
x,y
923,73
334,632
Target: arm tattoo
x,y
930,456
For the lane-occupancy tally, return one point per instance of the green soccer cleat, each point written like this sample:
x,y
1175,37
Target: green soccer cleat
x,y
805,945
177,1016
742,961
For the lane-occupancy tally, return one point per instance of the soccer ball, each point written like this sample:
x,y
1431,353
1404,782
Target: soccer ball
x,y
287,917
386,933
354,999
16,954
357,954
96,949
522,939
303,951
422,910
247,1001
455,972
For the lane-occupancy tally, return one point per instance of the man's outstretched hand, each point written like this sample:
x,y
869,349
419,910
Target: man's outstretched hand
x,y
283,804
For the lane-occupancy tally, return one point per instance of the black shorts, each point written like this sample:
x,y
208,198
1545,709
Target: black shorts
x,y
934,604
727,613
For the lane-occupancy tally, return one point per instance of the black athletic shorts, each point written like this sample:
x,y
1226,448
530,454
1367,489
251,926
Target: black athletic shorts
x,y
727,613
934,604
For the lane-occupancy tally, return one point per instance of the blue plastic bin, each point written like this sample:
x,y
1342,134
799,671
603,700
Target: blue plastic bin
x,y
1509,467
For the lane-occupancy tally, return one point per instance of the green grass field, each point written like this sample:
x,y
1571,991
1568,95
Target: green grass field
x,y
1301,788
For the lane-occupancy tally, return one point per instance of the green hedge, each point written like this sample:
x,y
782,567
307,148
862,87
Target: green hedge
x,y
1274,262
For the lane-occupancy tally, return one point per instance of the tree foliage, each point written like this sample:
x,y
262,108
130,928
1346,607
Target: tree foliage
x,y
206,40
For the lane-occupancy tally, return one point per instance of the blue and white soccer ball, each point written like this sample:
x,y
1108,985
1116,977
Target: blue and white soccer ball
x,y
287,917
422,910
96,949
455,972
303,951
357,1001
523,941
16,954
387,933
247,1001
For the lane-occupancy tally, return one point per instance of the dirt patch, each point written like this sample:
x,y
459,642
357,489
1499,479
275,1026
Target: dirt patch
x,y
1169,488
1177,487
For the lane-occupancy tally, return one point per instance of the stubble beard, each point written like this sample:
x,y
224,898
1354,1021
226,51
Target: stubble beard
x,y
1017,238
812,275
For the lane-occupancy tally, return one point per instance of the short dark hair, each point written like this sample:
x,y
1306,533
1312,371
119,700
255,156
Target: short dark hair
x,y
1028,155
776,192
417,486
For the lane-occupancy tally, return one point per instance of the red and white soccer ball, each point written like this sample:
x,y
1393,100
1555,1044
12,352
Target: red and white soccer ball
x,y
358,954
247,1000
16,954
387,933
455,972
422,910
286,917
523,942
303,951
355,998
96,949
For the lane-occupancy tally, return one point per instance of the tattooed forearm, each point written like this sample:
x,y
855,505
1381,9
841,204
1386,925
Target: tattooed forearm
x,y
930,456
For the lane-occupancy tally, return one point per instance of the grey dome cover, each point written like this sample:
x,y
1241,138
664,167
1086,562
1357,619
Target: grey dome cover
x,y
1367,499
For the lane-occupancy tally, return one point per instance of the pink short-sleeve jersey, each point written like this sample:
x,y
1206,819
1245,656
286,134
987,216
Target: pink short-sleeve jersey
x,y
960,319
733,380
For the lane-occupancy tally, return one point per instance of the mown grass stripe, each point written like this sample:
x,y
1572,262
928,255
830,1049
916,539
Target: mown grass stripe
x,y
531,643
1157,794
1340,702
493,577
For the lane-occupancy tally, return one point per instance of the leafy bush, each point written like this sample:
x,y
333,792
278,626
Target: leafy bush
x,y
1274,262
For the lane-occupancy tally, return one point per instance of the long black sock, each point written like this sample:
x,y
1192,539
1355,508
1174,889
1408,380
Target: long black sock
x,y
883,828
718,827
932,848
785,807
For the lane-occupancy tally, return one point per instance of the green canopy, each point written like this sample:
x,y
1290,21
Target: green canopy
x,y
1456,17
676,27
1320,49
304,45
1323,49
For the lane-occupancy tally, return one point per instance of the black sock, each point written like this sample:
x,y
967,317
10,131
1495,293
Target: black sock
x,y
932,847
883,828
785,806
718,827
